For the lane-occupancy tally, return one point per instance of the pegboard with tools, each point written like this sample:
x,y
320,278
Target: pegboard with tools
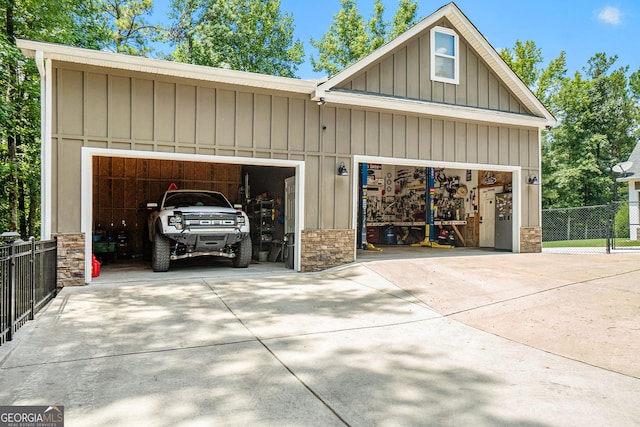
x,y
450,197
396,194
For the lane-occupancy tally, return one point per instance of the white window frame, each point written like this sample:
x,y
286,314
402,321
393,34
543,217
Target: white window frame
x,y
455,57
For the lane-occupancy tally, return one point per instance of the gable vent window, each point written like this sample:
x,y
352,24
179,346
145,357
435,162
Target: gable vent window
x,y
444,55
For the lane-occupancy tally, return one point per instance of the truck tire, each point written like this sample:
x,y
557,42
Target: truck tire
x,y
160,253
243,254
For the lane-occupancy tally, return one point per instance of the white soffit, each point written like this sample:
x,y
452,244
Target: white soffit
x,y
469,32
98,58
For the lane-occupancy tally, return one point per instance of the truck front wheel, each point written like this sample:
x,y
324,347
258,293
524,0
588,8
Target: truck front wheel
x,y
243,254
160,254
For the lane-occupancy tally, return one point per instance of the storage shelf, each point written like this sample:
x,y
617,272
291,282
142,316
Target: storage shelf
x,y
262,223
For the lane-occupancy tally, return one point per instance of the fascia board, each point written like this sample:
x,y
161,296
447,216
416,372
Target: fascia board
x,y
445,111
76,55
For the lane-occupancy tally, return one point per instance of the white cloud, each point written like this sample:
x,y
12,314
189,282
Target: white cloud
x,y
610,15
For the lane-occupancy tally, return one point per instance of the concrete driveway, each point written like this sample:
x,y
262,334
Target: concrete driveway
x,y
496,339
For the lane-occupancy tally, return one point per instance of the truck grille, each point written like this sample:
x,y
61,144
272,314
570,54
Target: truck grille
x,y
208,220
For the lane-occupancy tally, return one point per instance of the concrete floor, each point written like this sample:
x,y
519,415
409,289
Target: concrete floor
x,y
482,339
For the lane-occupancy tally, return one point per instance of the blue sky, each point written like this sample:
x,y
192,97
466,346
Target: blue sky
x,y
581,28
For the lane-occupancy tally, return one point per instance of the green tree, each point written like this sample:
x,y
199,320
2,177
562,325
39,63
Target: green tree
x,y
377,26
344,43
598,120
245,35
406,16
72,22
350,38
599,117
525,60
125,22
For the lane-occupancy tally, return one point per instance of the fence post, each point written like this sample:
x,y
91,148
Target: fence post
x,y
12,290
32,279
608,228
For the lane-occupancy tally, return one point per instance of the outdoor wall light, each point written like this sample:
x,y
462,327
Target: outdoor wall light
x,y
342,170
322,101
532,179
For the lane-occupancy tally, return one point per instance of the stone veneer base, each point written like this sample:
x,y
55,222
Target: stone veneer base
x,y
322,249
70,259
530,240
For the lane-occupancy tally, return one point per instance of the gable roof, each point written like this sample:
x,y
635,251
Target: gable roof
x,y
476,40
316,89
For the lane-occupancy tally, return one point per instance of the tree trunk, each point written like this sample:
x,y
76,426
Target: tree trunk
x,y
9,24
33,215
11,140
22,211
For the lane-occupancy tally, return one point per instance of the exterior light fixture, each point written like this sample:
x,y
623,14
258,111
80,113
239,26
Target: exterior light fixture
x,y
533,179
342,170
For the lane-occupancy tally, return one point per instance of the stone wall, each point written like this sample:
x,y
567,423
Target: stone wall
x,y
322,249
70,260
530,240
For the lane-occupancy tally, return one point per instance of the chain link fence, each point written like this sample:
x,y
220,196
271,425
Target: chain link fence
x,y
592,229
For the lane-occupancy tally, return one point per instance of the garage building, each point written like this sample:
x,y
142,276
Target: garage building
x,y
412,142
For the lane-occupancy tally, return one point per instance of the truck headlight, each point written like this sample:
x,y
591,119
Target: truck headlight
x,y
175,220
240,220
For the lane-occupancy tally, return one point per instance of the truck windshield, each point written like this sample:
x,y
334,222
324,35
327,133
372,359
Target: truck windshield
x,y
196,199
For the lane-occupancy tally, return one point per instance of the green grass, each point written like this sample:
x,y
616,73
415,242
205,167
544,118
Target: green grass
x,y
589,243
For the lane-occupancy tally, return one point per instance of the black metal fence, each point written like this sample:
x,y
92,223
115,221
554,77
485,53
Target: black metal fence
x,y
614,226
28,279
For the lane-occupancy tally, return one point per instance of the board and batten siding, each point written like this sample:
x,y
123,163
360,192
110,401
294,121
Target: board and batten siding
x,y
115,109
405,73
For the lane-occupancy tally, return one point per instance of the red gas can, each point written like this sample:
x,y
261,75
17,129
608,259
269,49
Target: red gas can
x,y
95,267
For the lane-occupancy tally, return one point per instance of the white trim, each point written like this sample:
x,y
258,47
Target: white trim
x,y
455,57
444,111
86,201
168,68
516,180
46,155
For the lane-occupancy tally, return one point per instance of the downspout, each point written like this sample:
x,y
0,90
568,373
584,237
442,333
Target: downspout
x,y
44,68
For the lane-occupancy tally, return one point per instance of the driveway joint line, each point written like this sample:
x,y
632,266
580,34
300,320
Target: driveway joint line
x,y
555,288
281,362
361,328
133,353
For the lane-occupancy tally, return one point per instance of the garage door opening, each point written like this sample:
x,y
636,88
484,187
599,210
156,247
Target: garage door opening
x,y
123,186
434,206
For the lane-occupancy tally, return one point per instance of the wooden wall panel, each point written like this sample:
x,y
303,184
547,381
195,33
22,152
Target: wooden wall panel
x,y
206,119
120,197
399,136
71,90
297,114
97,94
372,133
165,104
143,109
400,73
120,107
262,121
413,70
186,114
280,123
